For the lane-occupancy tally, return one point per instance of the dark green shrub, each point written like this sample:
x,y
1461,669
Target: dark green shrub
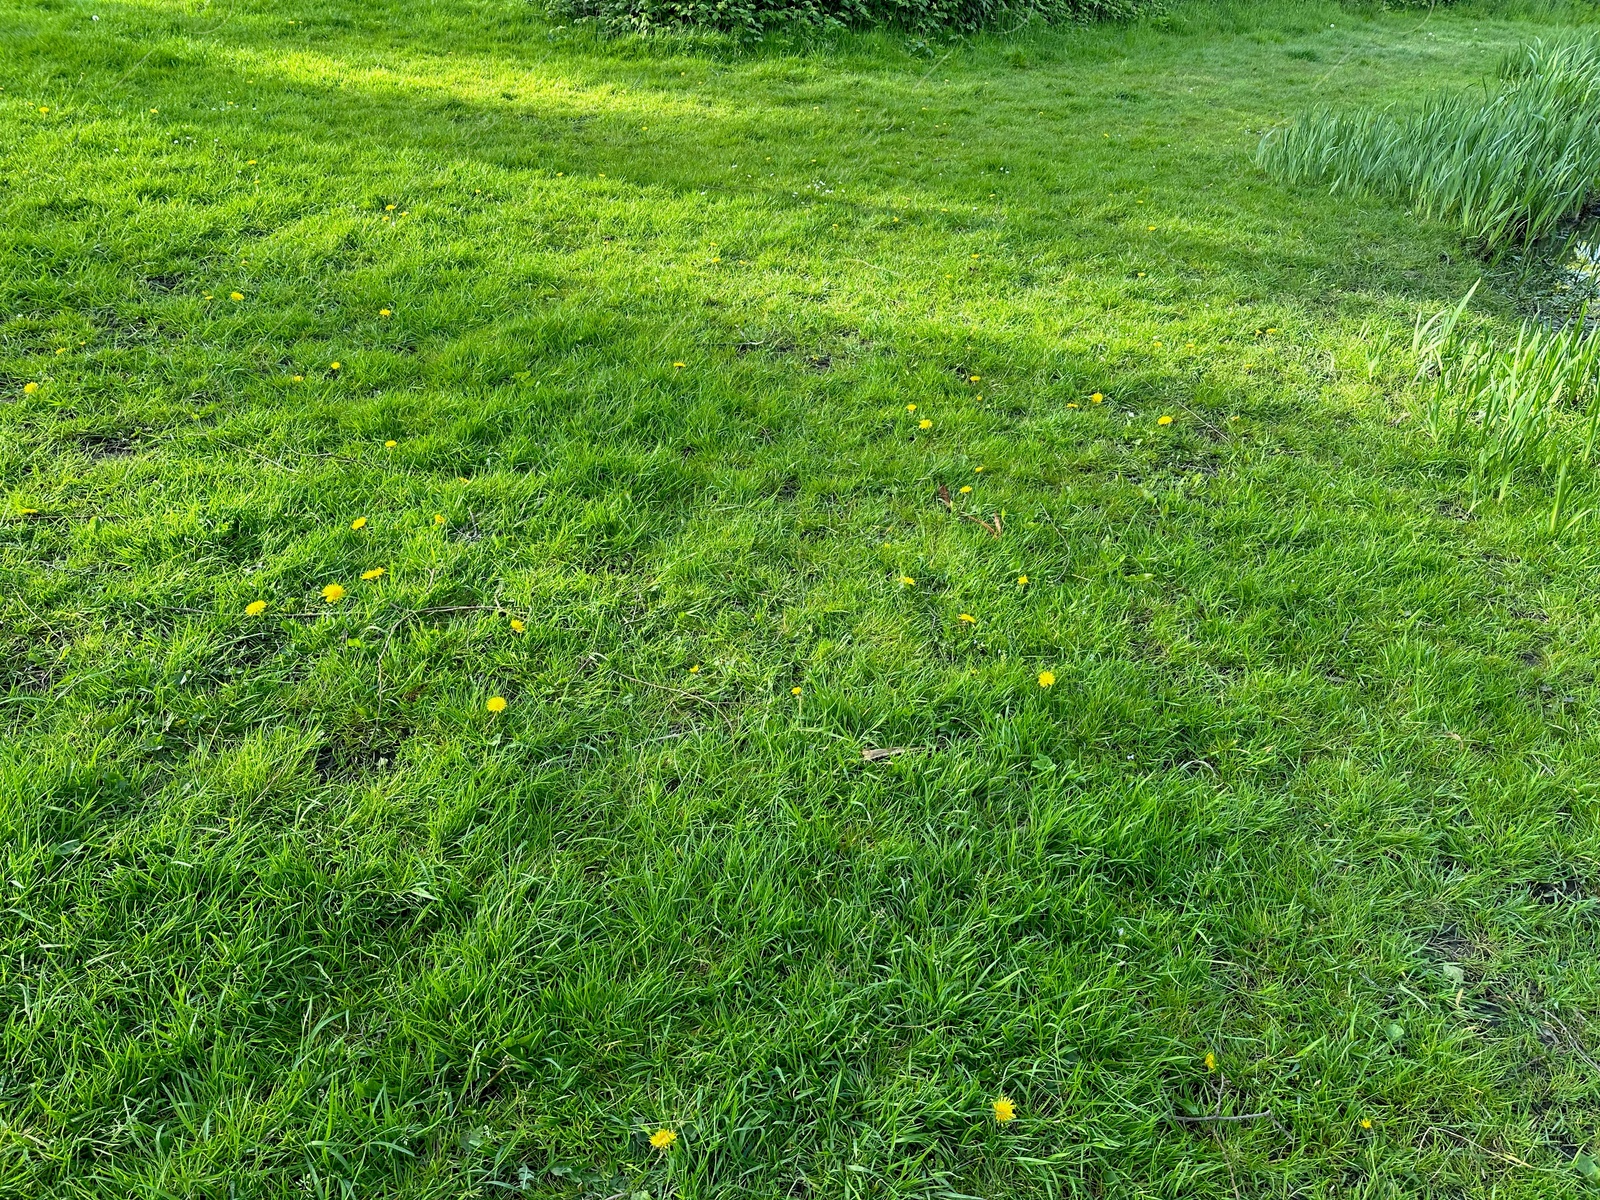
x,y
752,16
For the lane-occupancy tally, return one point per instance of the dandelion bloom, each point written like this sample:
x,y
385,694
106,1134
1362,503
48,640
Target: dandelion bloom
x,y
517,626
334,366
29,388
255,608
235,295
1366,1122
906,581
924,424
333,593
965,488
1072,406
695,670
1210,1061
375,573
438,518
1004,1110
1046,678
1164,419
1096,398
388,208
678,365
911,408
44,108
1022,580
977,470
299,378
384,312
390,444
968,618
662,1138
794,691
974,378
359,523
496,704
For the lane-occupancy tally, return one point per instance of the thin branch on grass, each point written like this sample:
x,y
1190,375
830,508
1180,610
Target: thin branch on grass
x,y
1210,1118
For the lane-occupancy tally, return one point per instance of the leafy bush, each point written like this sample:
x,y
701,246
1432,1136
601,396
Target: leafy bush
x,y
752,16
1507,165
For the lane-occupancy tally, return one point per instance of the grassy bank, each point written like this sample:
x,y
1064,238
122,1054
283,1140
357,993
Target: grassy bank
x,y
604,355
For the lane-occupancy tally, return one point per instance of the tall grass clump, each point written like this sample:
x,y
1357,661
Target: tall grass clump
x,y
1506,164
1529,405
751,17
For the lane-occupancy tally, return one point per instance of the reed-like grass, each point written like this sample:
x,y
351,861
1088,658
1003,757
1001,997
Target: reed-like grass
x,y
1532,405
1506,164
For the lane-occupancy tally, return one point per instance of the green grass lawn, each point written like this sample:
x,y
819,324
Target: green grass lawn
x,y
614,348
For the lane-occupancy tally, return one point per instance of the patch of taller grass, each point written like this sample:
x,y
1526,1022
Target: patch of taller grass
x,y
1526,406
1506,164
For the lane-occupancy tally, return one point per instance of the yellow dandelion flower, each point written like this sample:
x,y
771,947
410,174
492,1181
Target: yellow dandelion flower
x,y
1046,678
333,593
1096,398
967,619
1004,1110
255,608
794,691
1072,406
375,573
334,366
29,512
235,295
924,424
911,408
1366,1122
662,1138
1210,1061
388,208
695,670
1272,329
965,488
517,626
1022,580
977,470
44,108
359,523
438,518
1164,419
384,312
906,581
680,365
298,378
29,388
496,704
390,444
